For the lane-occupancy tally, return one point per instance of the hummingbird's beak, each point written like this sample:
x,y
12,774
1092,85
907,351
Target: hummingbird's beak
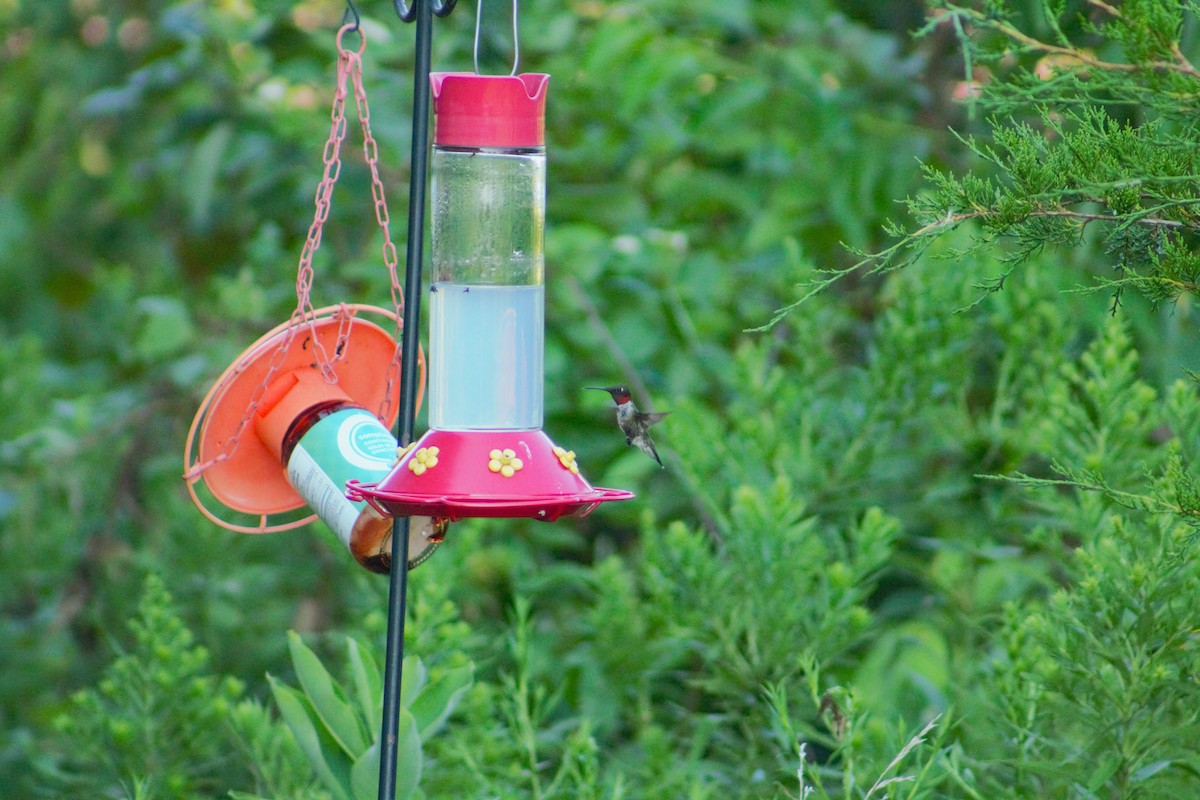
x,y
598,388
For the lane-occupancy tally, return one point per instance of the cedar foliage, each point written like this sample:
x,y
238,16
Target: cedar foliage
x,y
1091,134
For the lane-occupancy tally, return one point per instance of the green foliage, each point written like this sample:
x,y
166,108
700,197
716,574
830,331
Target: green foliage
x,y
513,743
1093,130
788,578
338,726
1091,686
268,748
752,638
1099,696
908,544
155,725
844,744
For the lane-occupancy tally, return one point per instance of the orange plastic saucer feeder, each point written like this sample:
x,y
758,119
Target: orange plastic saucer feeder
x,y
310,405
224,450
279,431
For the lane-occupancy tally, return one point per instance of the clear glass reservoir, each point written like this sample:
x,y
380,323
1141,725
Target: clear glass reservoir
x,y
487,297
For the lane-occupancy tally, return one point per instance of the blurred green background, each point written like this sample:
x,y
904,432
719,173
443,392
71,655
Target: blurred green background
x,y
823,528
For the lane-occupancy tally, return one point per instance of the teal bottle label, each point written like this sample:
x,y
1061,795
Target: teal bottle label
x,y
350,443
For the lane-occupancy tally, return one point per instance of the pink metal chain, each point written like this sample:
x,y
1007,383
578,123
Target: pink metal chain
x,y
390,256
349,71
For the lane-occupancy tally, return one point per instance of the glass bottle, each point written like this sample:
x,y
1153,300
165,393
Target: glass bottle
x,y
327,445
487,297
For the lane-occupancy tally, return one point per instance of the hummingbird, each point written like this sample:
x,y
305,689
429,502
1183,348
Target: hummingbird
x,y
633,423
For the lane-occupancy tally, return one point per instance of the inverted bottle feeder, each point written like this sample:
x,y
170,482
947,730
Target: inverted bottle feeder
x,y
310,405
486,454
280,430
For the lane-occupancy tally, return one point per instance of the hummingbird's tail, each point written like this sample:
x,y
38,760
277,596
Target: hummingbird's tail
x,y
650,451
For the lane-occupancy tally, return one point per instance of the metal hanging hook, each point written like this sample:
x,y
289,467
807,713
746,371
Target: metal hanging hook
x,y
351,11
515,39
407,12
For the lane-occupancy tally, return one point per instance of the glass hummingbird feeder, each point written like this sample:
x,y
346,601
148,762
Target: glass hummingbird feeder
x,y
486,454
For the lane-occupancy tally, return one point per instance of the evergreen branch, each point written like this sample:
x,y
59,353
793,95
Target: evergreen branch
x,y
1179,497
1045,184
882,260
1086,217
1186,66
1105,6
1143,282
918,240
1180,65
1087,483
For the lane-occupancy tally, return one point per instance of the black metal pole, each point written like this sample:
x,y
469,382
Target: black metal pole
x,y
393,669
421,13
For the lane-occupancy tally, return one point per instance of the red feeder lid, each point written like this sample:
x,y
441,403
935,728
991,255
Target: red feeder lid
x,y
489,110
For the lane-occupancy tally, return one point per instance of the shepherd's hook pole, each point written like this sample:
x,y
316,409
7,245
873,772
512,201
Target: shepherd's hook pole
x,y
421,12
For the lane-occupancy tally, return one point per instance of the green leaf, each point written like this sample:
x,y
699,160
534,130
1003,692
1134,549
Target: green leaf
x,y
113,100
202,171
413,680
334,712
408,757
1150,770
364,776
299,717
164,329
434,705
1107,767
368,686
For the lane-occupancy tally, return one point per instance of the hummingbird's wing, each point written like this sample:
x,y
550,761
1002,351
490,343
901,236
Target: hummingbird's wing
x,y
651,417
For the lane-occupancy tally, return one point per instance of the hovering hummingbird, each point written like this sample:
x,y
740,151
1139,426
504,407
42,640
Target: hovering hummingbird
x,y
633,423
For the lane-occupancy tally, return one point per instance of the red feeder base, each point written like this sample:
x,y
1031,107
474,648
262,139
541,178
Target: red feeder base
x,y
459,474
